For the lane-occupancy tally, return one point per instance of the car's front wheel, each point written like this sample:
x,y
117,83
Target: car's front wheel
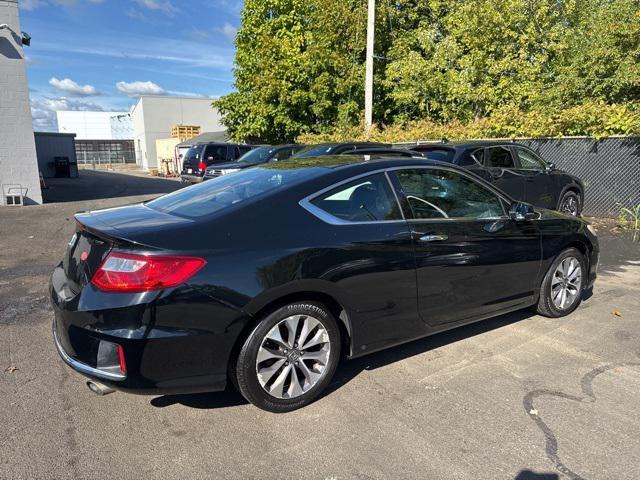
x,y
289,358
561,289
570,204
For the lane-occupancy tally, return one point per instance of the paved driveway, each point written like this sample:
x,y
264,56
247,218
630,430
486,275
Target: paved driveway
x,y
519,396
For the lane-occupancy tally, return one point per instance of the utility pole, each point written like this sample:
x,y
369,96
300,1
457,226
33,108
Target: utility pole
x,y
368,83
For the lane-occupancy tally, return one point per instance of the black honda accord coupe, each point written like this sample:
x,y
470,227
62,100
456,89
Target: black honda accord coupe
x,y
267,277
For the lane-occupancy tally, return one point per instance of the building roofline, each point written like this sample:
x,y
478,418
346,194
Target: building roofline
x,y
180,97
56,134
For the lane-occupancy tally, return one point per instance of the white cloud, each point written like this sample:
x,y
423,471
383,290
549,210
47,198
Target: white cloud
x,y
72,88
229,31
160,5
43,111
135,89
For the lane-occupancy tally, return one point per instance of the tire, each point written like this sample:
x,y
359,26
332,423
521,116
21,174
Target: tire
x,y
281,382
550,304
570,204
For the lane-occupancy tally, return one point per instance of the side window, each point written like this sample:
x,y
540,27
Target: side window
x,y
433,193
244,150
498,157
345,148
529,160
215,153
367,199
283,154
477,156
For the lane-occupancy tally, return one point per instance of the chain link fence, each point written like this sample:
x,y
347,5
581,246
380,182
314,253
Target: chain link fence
x,y
609,168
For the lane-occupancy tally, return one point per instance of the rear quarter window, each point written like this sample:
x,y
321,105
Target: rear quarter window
x,y
367,199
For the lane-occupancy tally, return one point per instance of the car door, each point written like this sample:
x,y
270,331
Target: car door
x,y
370,258
472,260
540,185
499,168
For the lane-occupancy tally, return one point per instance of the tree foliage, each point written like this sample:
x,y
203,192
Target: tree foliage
x,y
498,67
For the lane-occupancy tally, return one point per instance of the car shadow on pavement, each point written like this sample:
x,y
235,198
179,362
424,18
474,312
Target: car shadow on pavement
x,y
228,398
530,475
350,369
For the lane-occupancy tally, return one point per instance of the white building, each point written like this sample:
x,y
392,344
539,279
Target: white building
x,y
18,164
96,125
154,116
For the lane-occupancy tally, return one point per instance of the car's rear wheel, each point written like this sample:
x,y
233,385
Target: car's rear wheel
x,y
561,289
289,358
570,204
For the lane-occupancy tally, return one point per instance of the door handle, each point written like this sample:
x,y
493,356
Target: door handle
x,y
433,238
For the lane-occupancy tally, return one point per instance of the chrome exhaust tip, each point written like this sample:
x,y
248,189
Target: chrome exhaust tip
x,y
99,388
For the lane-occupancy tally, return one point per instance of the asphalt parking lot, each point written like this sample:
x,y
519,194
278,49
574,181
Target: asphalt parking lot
x,y
519,396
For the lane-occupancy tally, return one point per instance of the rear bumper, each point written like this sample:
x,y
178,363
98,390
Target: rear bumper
x,y
168,347
191,178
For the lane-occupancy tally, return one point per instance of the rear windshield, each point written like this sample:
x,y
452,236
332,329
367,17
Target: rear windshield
x,y
442,154
223,192
194,153
257,155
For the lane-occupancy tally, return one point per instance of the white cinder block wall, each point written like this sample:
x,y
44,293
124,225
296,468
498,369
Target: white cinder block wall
x,y
18,164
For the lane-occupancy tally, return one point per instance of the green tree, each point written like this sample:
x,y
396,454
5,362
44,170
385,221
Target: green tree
x,y
505,67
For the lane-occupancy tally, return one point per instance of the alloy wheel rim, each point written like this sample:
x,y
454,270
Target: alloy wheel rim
x,y
570,205
566,283
293,356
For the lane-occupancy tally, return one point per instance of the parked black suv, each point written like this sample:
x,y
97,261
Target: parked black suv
x,y
199,157
256,156
516,169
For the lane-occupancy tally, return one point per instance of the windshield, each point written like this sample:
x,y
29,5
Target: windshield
x,y
257,155
314,151
442,154
194,153
223,192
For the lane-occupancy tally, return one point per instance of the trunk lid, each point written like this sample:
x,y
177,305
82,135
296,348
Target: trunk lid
x,y
131,227
84,255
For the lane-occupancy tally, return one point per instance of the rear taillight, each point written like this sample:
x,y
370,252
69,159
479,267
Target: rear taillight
x,y
202,166
130,272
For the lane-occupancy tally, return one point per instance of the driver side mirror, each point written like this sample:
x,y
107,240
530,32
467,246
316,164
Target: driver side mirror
x,y
521,212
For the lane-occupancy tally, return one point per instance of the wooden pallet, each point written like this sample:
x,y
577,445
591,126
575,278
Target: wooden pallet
x,y
185,132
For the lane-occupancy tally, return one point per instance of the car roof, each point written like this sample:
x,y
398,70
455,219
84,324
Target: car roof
x,y
461,144
356,162
199,144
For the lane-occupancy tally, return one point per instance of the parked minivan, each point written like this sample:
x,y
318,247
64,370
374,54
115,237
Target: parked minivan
x,y
199,157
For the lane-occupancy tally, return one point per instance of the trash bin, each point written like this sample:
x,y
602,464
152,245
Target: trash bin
x,y
61,165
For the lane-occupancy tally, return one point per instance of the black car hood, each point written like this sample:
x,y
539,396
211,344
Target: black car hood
x,y
230,165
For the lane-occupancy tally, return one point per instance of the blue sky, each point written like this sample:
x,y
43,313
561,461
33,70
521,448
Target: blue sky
x,y
102,54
